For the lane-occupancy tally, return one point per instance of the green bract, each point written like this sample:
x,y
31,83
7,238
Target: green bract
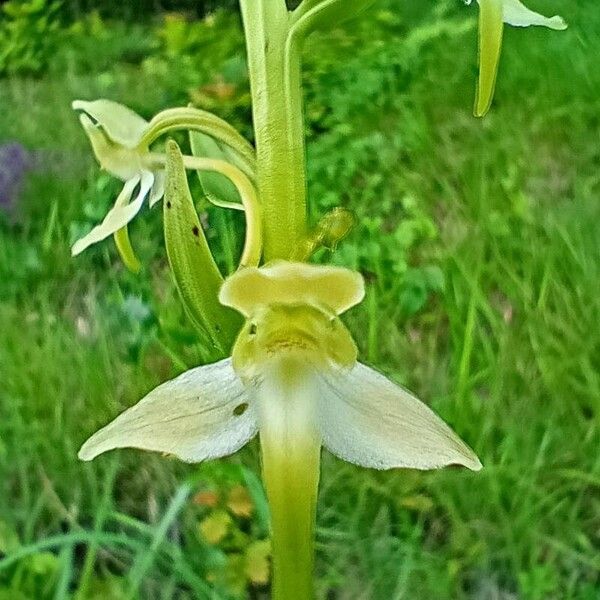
x,y
492,16
195,272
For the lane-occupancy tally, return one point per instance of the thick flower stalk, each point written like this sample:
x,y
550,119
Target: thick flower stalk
x,y
294,378
492,16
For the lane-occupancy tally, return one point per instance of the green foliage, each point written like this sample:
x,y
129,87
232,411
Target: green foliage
x,y
196,62
504,344
93,44
28,35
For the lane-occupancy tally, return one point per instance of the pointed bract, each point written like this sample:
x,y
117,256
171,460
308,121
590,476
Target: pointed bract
x,y
491,27
492,16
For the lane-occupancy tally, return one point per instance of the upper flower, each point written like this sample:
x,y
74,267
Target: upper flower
x,y
116,134
492,16
293,376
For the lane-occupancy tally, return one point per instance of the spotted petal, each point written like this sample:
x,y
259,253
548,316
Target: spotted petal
x,y
120,214
369,421
202,414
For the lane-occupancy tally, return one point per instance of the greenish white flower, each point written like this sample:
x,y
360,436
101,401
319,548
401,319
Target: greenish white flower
x,y
116,134
492,16
293,377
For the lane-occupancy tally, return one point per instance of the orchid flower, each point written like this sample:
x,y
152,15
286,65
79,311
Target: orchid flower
x,y
492,16
116,134
121,140
294,378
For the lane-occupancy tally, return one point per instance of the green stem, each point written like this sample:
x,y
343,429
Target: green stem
x,y
194,119
290,447
274,66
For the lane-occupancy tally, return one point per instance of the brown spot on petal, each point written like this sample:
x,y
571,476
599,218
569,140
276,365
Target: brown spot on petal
x,y
240,409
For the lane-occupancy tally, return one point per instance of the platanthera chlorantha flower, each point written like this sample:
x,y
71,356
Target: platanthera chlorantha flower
x,y
294,377
116,135
492,16
121,141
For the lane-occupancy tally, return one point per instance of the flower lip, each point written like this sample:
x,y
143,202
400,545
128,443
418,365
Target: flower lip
x,y
332,290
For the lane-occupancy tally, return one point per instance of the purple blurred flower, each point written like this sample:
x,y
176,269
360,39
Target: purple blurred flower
x,y
15,161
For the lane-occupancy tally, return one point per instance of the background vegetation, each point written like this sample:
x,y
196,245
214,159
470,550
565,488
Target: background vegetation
x,y
480,242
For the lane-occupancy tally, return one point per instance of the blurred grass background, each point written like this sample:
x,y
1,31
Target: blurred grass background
x,y
480,242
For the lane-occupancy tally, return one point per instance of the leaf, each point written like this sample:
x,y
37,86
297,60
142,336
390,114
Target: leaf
x,y
418,503
195,272
9,540
208,498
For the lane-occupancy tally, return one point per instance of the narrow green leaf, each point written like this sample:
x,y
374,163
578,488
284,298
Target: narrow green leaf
x,y
195,272
491,27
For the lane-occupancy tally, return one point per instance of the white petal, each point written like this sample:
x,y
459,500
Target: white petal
x,y
120,214
196,416
121,124
517,14
158,188
369,421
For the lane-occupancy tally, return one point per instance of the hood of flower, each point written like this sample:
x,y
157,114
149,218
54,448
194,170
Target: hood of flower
x,y
120,161
332,289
